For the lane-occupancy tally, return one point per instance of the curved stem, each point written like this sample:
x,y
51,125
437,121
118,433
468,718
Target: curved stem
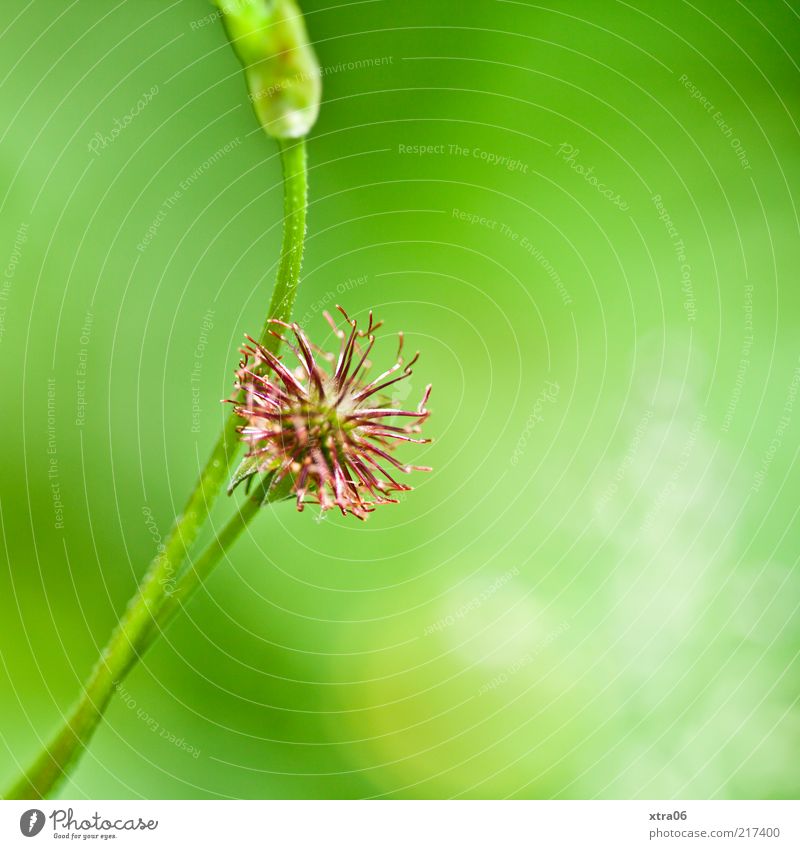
x,y
124,647
295,203
265,493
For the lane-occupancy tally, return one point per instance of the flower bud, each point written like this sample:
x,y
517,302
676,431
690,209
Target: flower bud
x,y
282,72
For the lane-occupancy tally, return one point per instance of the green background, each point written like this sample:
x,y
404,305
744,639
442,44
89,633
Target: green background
x,y
595,594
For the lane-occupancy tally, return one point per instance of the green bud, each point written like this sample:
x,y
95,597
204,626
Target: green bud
x,y
283,75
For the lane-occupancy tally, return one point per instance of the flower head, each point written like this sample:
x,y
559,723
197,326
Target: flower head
x,y
324,425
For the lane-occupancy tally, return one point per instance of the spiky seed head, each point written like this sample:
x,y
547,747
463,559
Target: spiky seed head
x,y
323,422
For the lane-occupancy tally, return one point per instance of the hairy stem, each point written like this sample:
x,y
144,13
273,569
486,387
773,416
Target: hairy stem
x,y
136,625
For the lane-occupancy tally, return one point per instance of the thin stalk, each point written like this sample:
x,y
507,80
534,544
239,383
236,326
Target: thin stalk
x,y
126,642
201,568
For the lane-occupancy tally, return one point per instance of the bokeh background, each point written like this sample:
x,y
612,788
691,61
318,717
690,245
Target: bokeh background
x,y
596,593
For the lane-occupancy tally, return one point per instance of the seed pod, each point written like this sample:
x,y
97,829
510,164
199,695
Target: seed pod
x,y
321,429
282,72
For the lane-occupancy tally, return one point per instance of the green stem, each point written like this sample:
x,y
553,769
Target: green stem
x,y
295,202
128,639
201,568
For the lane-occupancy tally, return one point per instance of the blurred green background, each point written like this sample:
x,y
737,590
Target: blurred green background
x,y
596,593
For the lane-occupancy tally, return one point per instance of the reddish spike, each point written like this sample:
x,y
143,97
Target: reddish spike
x,y
308,360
